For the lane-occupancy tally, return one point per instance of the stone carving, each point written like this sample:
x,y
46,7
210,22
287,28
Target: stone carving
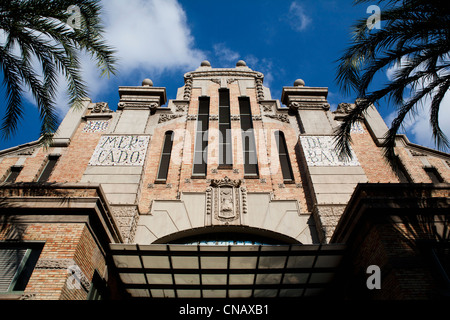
x,y
167,117
96,126
256,117
214,117
209,200
345,107
225,182
320,151
191,117
226,210
138,105
231,80
187,86
216,81
266,108
309,105
223,198
127,218
259,86
54,263
235,117
244,200
180,108
101,107
279,117
126,150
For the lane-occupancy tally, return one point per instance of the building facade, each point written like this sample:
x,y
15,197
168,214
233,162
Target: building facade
x,y
221,192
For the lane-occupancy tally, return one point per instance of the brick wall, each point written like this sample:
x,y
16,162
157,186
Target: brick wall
x,y
73,162
63,242
180,171
372,159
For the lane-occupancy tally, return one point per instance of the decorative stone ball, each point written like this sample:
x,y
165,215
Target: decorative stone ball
x,y
241,63
147,83
299,83
205,63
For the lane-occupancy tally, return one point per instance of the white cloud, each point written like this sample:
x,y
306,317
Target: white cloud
x,y
298,18
150,36
225,54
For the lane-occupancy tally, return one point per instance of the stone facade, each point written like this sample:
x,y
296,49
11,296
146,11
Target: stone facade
x,y
119,154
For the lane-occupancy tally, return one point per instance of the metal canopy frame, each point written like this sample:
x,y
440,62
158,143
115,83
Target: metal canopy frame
x,y
232,271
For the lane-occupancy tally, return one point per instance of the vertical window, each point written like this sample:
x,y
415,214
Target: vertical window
x,y
401,172
283,153
51,163
17,263
225,150
201,138
248,138
13,174
434,175
165,156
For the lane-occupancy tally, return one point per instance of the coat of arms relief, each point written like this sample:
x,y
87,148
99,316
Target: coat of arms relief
x,y
226,201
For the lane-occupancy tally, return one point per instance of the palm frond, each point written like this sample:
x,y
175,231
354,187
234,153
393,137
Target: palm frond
x,y
415,40
38,29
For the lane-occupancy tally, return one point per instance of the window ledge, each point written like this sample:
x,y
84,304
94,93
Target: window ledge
x,y
198,177
225,167
11,295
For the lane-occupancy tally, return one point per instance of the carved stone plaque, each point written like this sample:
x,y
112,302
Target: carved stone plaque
x,y
96,126
226,200
320,151
127,150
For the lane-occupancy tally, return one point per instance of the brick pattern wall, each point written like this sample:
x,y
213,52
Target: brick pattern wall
x,y
403,274
63,242
180,171
72,164
5,165
371,158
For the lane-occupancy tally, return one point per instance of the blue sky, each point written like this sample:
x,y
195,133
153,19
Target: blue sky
x,y
285,40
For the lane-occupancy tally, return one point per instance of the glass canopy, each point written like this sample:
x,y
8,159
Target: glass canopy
x,y
231,271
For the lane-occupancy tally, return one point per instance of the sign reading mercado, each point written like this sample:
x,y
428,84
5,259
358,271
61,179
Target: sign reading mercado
x,y
126,150
320,151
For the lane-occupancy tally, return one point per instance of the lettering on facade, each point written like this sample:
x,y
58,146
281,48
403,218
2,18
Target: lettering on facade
x,y
320,151
128,150
96,126
357,128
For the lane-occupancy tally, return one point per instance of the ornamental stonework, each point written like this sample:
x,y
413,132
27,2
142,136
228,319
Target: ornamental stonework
x,y
320,151
96,126
226,200
126,150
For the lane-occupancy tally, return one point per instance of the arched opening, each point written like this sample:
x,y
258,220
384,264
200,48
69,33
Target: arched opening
x,y
227,235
